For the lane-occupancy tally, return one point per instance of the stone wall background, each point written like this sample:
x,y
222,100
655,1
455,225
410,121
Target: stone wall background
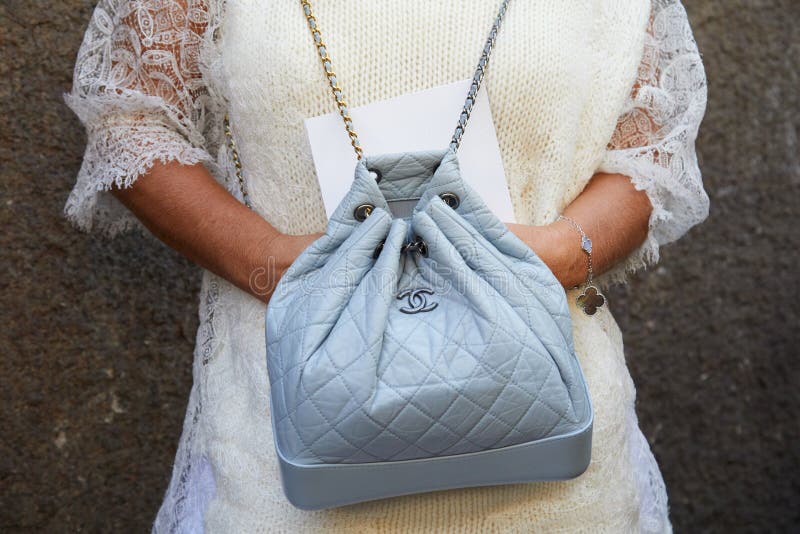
x,y
97,335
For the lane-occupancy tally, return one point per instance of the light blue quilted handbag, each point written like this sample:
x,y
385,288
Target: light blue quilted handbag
x,y
419,345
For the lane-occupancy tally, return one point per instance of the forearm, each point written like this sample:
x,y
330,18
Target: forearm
x,y
187,209
612,212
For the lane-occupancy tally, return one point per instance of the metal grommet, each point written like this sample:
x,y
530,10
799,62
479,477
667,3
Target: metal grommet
x,y
375,173
417,246
363,211
451,199
378,250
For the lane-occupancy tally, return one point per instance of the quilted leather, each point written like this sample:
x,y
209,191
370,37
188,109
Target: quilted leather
x,y
356,379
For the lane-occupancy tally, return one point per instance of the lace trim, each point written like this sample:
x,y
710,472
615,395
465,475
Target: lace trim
x,y
654,142
139,89
653,505
192,485
120,148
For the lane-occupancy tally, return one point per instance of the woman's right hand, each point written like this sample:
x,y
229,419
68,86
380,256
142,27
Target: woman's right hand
x,y
277,252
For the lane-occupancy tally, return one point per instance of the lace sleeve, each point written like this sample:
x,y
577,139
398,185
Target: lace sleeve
x,y
139,92
655,135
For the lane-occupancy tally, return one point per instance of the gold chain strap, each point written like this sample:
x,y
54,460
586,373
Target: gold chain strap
x,y
237,162
325,58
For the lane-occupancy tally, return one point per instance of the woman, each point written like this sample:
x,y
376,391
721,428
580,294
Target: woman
x,y
596,108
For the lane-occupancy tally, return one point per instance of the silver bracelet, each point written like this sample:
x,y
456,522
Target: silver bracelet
x,y
590,299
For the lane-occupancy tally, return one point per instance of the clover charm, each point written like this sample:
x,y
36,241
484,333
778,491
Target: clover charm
x,y
590,300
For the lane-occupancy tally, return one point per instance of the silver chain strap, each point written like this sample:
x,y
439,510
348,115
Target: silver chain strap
x,y
477,79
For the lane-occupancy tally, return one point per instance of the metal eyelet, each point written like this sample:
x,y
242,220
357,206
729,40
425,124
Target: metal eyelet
x,y
363,211
378,250
451,199
418,245
375,173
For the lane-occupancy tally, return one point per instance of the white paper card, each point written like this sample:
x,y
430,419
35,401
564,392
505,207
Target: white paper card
x,y
417,121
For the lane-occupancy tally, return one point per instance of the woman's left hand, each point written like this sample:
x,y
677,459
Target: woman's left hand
x,y
555,249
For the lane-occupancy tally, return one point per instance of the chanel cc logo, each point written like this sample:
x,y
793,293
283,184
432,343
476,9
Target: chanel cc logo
x,y
417,300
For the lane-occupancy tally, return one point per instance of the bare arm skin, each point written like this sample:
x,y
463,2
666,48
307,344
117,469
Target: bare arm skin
x,y
612,212
187,209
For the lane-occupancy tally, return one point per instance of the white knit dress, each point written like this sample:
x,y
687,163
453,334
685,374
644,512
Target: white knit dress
x,y
575,88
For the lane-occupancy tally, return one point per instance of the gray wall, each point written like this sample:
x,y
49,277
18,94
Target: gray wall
x,y
97,336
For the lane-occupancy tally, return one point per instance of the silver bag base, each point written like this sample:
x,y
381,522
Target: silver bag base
x,y
319,486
